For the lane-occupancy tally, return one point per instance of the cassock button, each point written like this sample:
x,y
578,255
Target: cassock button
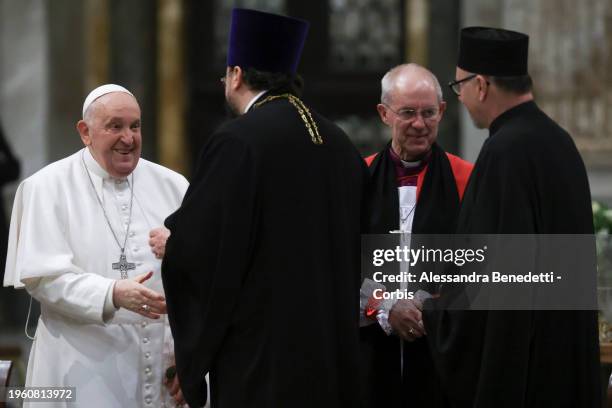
x,y
124,207
118,181
147,370
147,355
145,340
147,386
148,400
143,323
136,249
132,233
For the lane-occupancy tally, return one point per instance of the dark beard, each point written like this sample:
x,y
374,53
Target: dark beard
x,y
230,111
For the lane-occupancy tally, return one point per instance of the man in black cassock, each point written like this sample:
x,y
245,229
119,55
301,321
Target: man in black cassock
x,y
261,269
528,179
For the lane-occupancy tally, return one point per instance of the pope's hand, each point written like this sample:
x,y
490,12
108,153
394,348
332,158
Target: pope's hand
x,y
131,294
157,241
406,319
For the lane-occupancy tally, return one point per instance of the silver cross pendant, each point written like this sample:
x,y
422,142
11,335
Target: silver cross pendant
x,y
123,266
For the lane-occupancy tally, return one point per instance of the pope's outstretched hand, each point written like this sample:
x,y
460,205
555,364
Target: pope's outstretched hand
x,y
132,295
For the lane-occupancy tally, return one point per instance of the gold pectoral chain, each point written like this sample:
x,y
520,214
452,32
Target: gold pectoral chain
x,y
305,114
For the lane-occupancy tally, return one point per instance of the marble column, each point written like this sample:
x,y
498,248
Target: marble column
x,y
171,116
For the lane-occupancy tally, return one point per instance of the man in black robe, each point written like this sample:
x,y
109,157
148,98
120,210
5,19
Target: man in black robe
x,y
529,179
261,269
416,187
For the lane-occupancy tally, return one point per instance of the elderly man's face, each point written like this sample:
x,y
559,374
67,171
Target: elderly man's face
x,y
413,113
112,132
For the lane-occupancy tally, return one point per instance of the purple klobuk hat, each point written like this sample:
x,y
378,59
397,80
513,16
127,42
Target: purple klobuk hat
x,y
266,42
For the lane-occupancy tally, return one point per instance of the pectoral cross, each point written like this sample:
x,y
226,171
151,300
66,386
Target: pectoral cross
x,y
123,266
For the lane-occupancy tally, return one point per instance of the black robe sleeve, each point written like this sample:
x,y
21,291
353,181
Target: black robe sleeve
x,y
202,275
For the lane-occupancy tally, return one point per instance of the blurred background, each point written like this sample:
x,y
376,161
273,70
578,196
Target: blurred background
x,y
171,54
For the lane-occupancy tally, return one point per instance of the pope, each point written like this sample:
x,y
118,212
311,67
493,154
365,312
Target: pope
x,y
78,243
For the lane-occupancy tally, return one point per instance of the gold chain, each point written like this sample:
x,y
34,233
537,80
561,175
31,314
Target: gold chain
x,y
303,111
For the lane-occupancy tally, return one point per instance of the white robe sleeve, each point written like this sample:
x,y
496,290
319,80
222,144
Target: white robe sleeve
x,y
83,297
39,255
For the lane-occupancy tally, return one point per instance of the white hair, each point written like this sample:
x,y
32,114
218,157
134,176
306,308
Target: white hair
x,y
88,115
388,81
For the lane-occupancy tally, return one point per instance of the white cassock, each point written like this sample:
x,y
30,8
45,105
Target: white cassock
x,y
62,249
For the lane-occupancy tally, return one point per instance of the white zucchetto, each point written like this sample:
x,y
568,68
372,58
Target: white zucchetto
x,y
100,91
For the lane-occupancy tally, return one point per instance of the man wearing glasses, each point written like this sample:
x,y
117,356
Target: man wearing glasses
x,y
528,179
416,187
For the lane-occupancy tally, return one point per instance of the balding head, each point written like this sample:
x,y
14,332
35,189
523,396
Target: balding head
x,y
412,106
408,77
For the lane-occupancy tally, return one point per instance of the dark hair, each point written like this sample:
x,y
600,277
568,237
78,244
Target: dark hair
x,y
514,84
273,81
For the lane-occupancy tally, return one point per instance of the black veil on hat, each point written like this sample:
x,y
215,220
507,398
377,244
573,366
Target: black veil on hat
x,y
493,51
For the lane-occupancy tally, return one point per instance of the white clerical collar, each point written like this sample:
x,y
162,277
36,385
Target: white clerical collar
x,y
94,167
256,97
410,164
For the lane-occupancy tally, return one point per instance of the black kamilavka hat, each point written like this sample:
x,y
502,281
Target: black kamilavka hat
x,y
493,51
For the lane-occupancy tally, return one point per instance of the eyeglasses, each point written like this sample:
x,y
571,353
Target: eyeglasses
x,y
455,86
409,114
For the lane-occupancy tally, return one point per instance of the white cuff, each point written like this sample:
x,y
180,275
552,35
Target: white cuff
x,y
108,312
383,316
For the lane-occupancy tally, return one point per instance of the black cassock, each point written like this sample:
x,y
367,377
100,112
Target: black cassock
x,y
528,179
262,272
